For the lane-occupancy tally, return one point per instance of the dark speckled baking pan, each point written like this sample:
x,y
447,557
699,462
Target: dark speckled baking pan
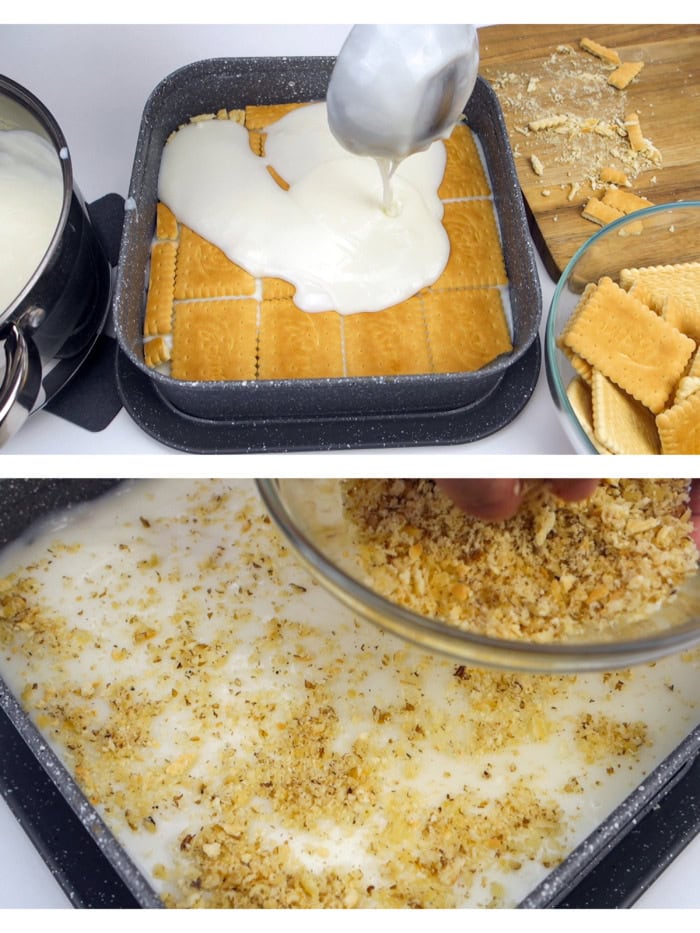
x,y
610,868
209,85
87,861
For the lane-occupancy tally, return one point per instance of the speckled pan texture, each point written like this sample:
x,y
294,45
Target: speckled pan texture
x,y
209,85
24,502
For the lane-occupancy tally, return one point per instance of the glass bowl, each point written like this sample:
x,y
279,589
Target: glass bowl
x,y
659,235
309,514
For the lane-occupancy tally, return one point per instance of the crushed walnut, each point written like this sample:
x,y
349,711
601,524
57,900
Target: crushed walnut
x,y
555,570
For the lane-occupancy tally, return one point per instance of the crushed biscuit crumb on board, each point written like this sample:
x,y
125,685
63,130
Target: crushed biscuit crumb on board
x,y
252,744
541,74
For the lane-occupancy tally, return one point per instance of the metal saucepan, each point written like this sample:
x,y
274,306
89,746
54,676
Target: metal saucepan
x,y
53,322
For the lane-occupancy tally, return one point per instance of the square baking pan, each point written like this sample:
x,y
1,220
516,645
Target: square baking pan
x,y
610,867
207,86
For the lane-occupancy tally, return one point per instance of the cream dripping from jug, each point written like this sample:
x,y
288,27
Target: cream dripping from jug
x,y
394,90
327,234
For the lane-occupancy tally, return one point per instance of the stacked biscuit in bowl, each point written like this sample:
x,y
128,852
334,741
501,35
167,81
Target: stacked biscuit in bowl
x,y
622,336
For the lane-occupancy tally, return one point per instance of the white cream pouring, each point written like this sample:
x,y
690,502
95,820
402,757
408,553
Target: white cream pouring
x,y
31,194
395,89
328,234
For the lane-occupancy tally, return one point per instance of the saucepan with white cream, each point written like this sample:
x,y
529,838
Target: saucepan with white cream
x,y
54,275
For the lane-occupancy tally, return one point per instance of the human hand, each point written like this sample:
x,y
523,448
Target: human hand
x,y
498,499
695,509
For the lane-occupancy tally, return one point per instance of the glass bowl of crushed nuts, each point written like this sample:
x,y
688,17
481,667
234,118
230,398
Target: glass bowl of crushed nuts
x,y
622,335
561,587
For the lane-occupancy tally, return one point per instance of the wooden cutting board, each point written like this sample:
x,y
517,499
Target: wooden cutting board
x,y
541,71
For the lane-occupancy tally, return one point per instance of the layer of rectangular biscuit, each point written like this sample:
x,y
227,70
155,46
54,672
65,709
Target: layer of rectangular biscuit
x,y
276,288
588,291
464,173
466,328
630,344
389,343
295,344
159,302
580,366
644,294
258,116
204,271
215,340
476,258
166,223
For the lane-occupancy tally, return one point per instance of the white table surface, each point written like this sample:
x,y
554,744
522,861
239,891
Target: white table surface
x,y
95,80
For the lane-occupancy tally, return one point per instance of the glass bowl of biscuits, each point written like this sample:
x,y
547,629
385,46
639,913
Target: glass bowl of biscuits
x,y
602,584
622,336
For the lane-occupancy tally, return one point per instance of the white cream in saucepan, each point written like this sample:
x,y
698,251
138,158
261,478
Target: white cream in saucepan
x,y
31,194
328,234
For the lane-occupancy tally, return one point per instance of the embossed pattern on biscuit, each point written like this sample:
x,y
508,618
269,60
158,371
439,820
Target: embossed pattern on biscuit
x,y
215,340
630,344
475,247
390,343
672,290
466,328
204,271
294,344
465,176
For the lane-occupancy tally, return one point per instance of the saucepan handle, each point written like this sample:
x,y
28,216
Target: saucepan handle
x,y
22,380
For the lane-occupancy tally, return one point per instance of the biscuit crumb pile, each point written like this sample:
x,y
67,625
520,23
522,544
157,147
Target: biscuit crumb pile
x,y
572,120
208,319
555,571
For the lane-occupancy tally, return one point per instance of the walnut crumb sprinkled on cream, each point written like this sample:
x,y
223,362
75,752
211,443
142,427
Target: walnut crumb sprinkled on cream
x,y
253,745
